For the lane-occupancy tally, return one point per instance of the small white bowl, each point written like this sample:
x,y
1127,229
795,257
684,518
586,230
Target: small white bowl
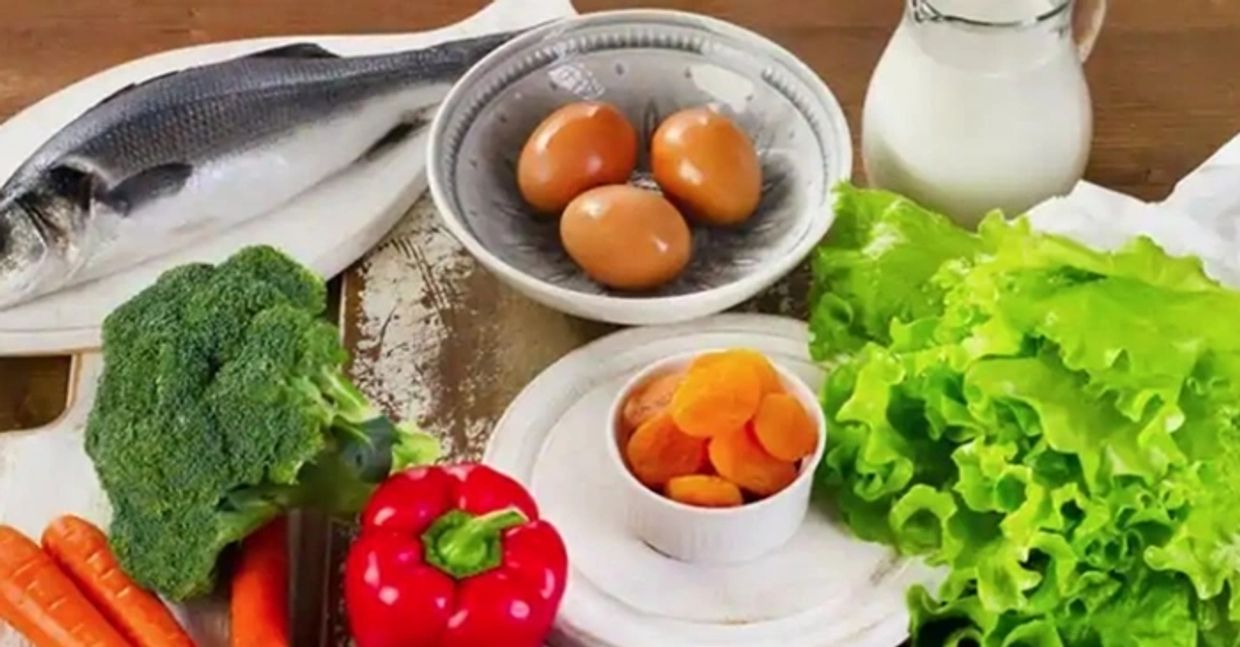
x,y
713,535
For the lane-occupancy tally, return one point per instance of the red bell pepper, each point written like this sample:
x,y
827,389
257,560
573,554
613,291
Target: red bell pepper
x,y
453,557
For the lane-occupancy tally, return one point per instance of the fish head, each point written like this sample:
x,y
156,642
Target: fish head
x,y
41,231
25,255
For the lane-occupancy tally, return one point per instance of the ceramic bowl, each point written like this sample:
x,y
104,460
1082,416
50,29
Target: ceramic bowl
x,y
712,535
648,64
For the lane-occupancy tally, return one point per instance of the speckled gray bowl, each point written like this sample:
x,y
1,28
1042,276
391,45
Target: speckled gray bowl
x,y
649,64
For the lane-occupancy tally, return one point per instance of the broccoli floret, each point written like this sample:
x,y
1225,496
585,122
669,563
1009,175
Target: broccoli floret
x,y
224,403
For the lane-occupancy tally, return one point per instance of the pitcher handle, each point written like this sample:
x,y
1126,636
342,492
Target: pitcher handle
x,y
1087,19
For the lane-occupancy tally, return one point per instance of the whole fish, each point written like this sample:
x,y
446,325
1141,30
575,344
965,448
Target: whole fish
x,y
171,160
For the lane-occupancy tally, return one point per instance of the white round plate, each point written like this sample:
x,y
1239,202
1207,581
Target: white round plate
x,y
824,588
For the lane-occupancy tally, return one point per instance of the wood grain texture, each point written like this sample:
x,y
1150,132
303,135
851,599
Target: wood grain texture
x,y
1162,75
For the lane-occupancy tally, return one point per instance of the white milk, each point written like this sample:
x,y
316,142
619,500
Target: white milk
x,y
967,118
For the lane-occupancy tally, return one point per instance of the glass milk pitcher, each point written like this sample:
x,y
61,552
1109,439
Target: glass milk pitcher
x,y
982,104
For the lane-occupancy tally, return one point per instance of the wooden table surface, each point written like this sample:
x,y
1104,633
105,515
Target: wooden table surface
x,y
456,346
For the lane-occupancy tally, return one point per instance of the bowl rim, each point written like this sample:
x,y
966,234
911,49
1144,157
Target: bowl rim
x,y
758,279
803,393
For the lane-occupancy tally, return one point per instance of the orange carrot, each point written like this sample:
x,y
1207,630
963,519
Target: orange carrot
x,y
658,451
651,398
784,429
81,551
704,491
739,458
717,396
766,372
42,603
260,589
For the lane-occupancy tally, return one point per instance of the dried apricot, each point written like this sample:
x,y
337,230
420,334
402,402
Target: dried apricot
x,y
651,398
658,452
704,491
766,371
717,396
738,457
784,429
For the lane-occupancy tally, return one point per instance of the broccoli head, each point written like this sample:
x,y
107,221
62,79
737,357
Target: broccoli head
x,y
224,403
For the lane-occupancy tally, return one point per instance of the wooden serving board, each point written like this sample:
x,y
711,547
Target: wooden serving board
x,y
327,228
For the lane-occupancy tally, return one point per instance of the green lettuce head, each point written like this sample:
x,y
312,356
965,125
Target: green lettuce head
x,y
1057,427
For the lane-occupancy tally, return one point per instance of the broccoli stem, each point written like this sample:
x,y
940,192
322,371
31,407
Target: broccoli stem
x,y
413,448
246,510
349,402
364,448
377,445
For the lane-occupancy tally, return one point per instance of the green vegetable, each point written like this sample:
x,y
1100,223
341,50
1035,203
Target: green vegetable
x,y
1057,427
224,403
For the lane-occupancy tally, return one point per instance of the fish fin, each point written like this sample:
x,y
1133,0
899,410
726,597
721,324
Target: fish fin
x,y
148,185
296,50
399,133
133,86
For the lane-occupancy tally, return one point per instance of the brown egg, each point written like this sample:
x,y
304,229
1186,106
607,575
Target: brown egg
x,y
578,147
706,164
625,237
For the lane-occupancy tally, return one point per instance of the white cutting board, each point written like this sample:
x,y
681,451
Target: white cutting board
x,y
45,473
327,228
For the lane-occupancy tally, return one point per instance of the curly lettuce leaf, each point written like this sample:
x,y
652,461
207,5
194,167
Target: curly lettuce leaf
x,y
1058,427
884,250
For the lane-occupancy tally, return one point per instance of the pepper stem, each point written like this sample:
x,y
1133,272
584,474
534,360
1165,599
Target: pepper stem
x,y
463,545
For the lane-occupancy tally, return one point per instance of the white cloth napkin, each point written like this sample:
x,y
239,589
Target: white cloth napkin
x,y
1201,217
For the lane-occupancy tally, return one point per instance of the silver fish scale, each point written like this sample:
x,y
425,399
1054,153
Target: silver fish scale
x,y
224,108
